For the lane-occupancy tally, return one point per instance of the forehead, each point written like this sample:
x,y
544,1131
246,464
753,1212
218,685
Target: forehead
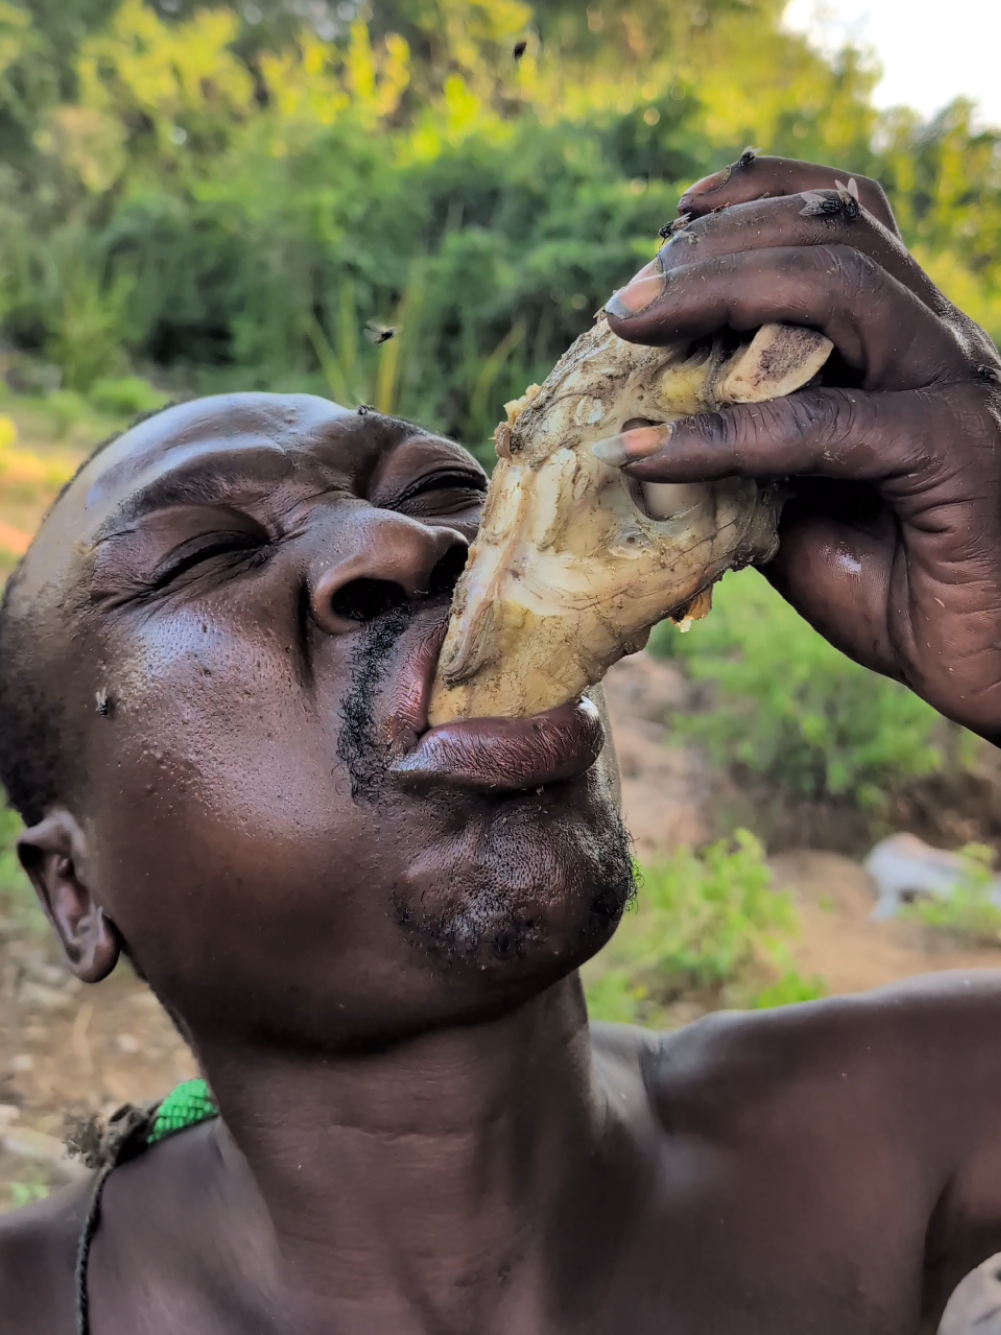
x,y
268,438
269,435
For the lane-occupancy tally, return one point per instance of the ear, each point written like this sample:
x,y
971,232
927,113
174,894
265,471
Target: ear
x,y
50,853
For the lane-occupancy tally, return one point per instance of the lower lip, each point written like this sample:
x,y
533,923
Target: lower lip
x,y
507,754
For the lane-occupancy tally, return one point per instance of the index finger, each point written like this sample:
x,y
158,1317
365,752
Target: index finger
x,y
752,177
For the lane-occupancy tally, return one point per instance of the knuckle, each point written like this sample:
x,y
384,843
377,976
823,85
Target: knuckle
x,y
781,436
715,429
717,440
853,268
830,418
876,233
749,431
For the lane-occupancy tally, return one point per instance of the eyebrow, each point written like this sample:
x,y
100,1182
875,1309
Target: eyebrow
x,y
200,482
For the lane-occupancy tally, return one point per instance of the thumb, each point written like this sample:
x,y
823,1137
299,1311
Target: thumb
x,y
832,433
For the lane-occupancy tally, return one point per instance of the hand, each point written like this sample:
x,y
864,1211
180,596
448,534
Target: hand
x,y
891,543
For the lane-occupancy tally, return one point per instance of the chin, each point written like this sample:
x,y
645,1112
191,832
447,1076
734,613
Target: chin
x,y
519,892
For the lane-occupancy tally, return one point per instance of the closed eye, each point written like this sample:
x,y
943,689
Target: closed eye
x,y
200,549
452,489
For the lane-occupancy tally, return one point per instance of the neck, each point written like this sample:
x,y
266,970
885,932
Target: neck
x,y
418,1171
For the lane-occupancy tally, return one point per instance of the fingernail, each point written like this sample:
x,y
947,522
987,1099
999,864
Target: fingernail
x,y
636,444
705,186
638,295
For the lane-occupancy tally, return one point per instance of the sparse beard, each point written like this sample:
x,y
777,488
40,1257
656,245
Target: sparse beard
x,y
495,921
564,900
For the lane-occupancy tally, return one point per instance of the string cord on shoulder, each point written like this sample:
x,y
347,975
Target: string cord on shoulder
x,y
104,1149
131,1130
91,1222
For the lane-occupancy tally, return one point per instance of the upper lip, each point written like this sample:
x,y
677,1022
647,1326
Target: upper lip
x,y
410,691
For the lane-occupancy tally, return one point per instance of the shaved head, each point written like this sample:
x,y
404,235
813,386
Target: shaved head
x,y
37,761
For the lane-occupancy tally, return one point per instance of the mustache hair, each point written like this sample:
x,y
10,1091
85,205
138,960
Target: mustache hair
x,y
365,756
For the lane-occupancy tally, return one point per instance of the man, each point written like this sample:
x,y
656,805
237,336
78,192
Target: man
x,y
216,660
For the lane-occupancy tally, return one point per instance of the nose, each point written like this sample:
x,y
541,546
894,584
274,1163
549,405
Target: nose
x,y
387,560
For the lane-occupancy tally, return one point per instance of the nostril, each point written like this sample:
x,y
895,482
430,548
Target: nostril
x,y
366,599
445,575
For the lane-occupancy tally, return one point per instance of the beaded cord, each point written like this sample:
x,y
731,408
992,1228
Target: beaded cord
x,y
188,1105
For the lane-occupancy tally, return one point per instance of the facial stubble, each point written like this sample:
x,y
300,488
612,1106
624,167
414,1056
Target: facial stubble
x,y
485,918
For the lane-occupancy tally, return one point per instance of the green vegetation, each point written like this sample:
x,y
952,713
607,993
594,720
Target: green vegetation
x,y
128,397
227,193
791,711
969,913
709,928
16,894
10,870
34,1187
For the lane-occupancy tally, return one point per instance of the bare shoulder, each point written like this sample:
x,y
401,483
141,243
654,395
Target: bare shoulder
x,y
915,1045
38,1246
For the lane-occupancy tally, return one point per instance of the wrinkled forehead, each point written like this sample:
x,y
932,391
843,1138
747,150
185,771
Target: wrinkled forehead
x,y
276,434
275,437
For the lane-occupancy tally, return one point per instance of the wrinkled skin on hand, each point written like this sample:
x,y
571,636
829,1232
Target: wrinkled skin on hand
x,y
891,546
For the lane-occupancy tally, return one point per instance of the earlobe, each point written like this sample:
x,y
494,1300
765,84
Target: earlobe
x,y
51,853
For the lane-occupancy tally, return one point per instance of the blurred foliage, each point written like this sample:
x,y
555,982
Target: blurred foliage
x,y
792,711
710,928
33,1186
25,472
969,912
10,869
16,894
128,397
229,192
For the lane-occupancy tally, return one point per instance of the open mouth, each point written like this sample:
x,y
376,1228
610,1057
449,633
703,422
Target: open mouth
x,y
496,754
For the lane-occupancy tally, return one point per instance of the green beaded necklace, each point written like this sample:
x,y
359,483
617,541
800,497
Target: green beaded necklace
x,y
188,1105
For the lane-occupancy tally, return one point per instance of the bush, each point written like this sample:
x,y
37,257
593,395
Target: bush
x,y
129,397
710,927
969,912
67,409
792,711
235,199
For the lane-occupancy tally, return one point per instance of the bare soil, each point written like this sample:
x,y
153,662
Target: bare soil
x,y
67,1051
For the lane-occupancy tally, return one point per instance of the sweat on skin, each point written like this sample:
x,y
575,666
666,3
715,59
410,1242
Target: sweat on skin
x,y
369,930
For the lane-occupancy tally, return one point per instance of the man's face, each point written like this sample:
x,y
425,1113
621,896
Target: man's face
x,y
277,836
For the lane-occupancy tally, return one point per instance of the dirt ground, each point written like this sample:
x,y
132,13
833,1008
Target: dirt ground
x,y
66,1050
